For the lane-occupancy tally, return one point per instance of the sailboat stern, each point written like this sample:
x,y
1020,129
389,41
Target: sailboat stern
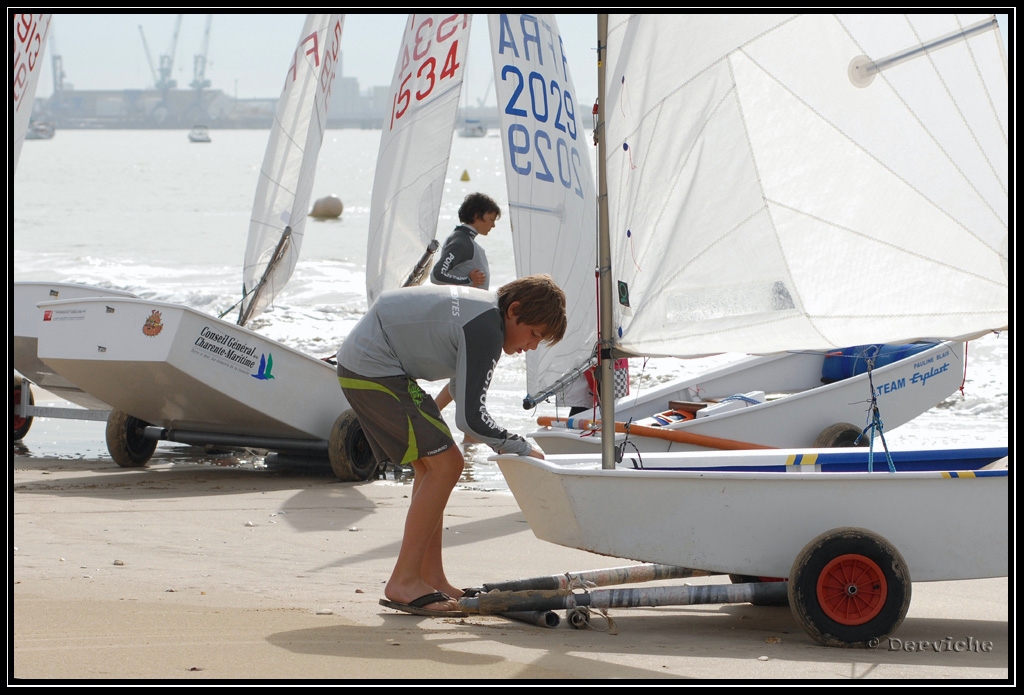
x,y
175,367
752,512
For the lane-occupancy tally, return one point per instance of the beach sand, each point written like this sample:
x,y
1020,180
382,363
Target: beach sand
x,y
197,573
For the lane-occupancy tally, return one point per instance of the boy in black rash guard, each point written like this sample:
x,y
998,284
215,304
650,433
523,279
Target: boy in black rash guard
x,y
431,333
462,260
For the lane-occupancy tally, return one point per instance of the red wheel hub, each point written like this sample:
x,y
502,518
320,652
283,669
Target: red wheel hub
x,y
852,589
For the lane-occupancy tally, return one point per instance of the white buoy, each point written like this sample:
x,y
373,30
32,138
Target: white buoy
x,y
326,207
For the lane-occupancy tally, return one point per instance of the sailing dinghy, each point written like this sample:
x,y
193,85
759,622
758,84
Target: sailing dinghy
x,y
174,373
805,398
802,398
762,200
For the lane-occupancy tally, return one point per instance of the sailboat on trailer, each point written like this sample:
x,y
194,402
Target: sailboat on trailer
x,y
758,198
174,373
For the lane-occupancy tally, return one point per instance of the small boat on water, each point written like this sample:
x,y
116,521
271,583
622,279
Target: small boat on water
x,y
199,133
40,130
472,128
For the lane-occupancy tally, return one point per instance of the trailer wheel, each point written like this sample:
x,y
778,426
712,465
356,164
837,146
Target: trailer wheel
x,y
20,425
748,579
349,452
840,434
849,588
125,441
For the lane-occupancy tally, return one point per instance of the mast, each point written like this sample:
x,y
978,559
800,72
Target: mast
x,y
605,331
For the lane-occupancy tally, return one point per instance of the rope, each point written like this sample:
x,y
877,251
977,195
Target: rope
x,y
741,397
875,424
579,616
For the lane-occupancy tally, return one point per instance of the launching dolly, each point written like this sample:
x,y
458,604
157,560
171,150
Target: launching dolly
x,y
840,601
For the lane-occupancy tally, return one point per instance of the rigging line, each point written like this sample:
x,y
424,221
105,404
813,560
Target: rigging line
x,y
876,421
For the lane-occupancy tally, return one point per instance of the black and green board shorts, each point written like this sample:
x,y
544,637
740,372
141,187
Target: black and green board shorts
x,y
400,420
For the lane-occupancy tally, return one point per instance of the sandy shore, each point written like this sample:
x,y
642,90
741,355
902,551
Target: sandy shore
x,y
193,573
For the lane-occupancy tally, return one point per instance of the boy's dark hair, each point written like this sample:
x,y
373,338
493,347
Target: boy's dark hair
x,y
477,205
541,303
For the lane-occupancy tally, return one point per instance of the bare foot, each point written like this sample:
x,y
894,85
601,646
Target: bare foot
x,y
452,591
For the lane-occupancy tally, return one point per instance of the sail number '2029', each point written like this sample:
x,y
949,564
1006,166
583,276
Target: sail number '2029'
x,y
420,58
545,152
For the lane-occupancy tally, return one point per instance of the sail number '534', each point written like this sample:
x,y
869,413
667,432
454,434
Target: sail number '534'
x,y
544,140
430,54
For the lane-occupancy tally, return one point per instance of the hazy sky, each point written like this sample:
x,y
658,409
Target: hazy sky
x,y
248,54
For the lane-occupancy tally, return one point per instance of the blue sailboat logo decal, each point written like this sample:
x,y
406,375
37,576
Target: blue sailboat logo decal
x,y
266,365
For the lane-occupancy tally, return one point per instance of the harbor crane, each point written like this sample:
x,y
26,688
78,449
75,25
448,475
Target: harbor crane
x,y
163,80
56,64
199,80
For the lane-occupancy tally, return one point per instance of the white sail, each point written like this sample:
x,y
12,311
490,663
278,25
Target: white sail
x,y
286,177
551,189
415,146
28,44
761,200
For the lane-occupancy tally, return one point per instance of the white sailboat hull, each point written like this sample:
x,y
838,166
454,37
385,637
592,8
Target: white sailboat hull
x,y
904,389
27,318
748,521
175,367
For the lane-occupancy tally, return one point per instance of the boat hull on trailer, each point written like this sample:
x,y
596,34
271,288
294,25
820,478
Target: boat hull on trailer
x,y
944,511
178,368
27,321
799,408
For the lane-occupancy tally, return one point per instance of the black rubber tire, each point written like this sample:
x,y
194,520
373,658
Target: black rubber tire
x,y
125,442
840,434
350,454
20,425
849,587
748,579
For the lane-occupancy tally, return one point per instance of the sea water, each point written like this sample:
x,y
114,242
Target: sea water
x,y
148,212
